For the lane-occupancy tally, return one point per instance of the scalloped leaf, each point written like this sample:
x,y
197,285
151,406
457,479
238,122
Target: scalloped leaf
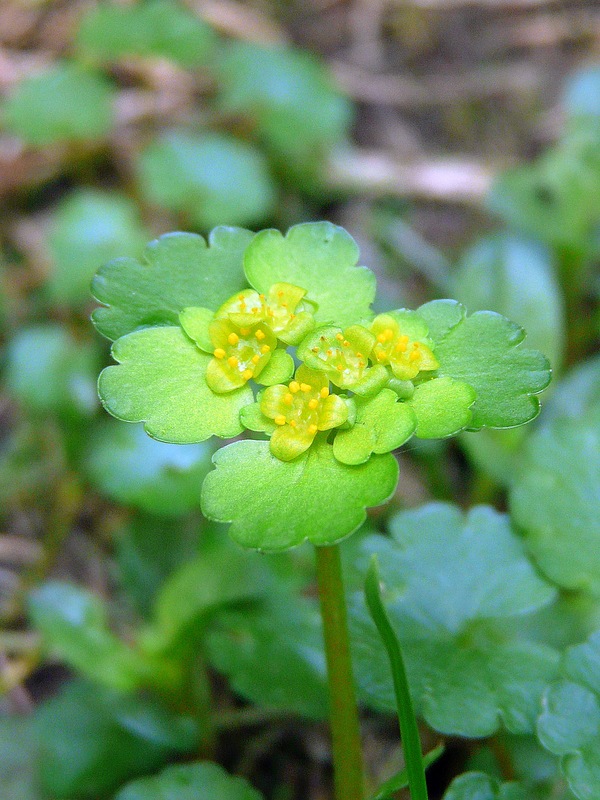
x,y
273,653
177,270
555,497
212,178
467,669
382,424
313,497
190,782
128,466
321,258
483,351
68,102
479,786
89,228
569,725
155,28
160,380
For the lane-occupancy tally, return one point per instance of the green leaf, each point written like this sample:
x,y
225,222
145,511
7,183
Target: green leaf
x,y
18,760
190,782
156,28
569,725
321,258
382,424
160,380
442,407
483,351
515,277
290,96
178,270
92,740
272,653
577,395
88,229
74,623
313,497
220,575
65,103
128,466
210,178
50,372
479,786
555,499
467,669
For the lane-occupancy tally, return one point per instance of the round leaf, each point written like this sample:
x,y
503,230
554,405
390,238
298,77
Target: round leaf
x,y
275,504
321,258
479,786
190,782
161,381
178,270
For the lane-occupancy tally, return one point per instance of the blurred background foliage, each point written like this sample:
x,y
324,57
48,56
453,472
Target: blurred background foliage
x,y
459,143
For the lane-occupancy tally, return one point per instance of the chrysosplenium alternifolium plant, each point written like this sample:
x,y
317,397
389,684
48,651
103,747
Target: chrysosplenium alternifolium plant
x,y
275,335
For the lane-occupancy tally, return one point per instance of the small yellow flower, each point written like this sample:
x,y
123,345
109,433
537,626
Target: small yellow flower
x,y
301,409
406,351
240,354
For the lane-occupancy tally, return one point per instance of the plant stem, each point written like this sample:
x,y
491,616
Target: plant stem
x,y
345,727
411,743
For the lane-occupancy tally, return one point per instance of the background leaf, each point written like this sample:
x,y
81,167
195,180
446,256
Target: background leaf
x,y
190,782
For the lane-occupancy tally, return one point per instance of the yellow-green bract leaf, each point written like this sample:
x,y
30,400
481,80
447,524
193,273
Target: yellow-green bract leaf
x,y
569,725
442,407
452,585
178,270
382,424
62,104
201,781
210,178
161,381
321,258
279,368
275,504
484,351
555,497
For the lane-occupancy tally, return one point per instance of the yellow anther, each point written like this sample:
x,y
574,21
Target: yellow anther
x,y
414,356
280,420
313,403
381,337
288,399
261,297
255,359
400,347
255,309
247,374
380,355
233,338
346,343
359,355
265,349
324,392
244,331
294,387
292,316
305,387
232,361
242,305
312,429
219,353
340,367
260,335
293,423
314,349
403,339
339,337
416,345
330,352
389,334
